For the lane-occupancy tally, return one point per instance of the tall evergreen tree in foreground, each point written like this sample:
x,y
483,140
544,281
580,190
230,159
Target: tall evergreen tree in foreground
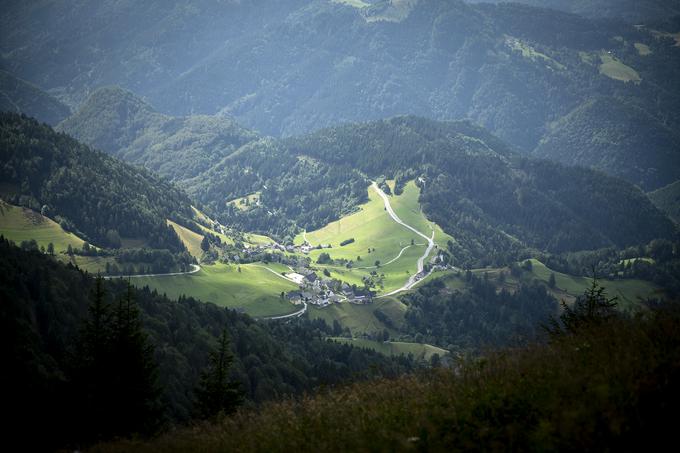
x,y
215,393
115,376
591,309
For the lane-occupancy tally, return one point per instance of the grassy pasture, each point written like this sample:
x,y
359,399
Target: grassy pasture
x,y
643,49
191,240
613,68
246,202
254,290
361,319
371,227
21,224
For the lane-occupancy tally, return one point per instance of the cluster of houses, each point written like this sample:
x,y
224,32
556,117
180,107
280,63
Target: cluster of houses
x,y
321,292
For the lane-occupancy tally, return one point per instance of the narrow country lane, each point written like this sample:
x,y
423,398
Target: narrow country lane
x,y
412,280
194,268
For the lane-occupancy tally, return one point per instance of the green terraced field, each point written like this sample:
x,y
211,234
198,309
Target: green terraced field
x,y
420,351
255,290
20,224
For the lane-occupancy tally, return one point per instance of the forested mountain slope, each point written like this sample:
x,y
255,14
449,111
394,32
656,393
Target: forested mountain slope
x,y
490,199
668,200
88,192
19,96
604,133
116,121
289,67
45,306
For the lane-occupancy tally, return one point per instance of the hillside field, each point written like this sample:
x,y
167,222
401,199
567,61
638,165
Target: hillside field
x,y
420,351
21,224
567,287
371,227
191,240
254,290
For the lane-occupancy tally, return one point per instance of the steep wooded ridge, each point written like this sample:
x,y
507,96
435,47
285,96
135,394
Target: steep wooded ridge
x,y
116,121
285,68
89,192
19,96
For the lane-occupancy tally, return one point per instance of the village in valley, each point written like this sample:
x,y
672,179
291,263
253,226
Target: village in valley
x,y
313,289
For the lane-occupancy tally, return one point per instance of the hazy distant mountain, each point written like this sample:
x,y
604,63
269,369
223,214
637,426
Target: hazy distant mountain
x,y
116,121
289,67
631,10
19,96
623,140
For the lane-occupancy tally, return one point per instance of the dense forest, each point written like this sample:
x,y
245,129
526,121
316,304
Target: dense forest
x,y
477,318
100,198
47,305
615,146
668,200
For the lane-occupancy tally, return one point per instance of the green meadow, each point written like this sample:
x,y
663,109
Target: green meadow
x,y
21,224
254,289
568,287
377,238
191,240
362,319
614,68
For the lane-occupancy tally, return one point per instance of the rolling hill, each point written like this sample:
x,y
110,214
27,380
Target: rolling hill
x,y
288,68
487,197
123,125
19,96
100,198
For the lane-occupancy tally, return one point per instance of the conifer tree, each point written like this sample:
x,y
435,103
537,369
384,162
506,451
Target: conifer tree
x,y
215,394
115,373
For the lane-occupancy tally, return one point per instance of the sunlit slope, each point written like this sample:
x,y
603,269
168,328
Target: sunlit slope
x,y
190,239
21,224
253,289
395,247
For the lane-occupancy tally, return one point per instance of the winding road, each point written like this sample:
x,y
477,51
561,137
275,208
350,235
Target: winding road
x,y
412,280
194,268
296,314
